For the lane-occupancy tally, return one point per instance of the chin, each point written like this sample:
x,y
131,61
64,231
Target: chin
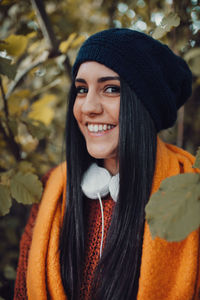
x,y
98,153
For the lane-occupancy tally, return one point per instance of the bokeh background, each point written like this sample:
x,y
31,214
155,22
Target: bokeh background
x,y
38,43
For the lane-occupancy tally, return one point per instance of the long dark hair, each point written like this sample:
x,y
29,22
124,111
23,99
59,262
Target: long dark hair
x,y
117,273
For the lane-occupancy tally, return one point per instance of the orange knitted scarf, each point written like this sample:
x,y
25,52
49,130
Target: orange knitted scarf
x,y
169,271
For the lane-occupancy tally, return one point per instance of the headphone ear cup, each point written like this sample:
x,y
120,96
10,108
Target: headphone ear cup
x,y
95,181
114,187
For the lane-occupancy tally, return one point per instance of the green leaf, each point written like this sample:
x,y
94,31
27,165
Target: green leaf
x,y
25,167
174,210
36,128
9,272
6,176
7,69
5,200
197,160
26,188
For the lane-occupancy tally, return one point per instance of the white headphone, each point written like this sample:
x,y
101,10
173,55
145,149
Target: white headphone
x,y
97,180
96,183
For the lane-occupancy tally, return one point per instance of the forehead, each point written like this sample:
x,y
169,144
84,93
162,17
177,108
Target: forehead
x,y
94,69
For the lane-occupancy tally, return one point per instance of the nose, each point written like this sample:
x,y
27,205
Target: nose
x,y
92,104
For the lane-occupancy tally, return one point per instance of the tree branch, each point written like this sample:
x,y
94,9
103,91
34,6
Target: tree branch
x,y
45,24
48,33
21,74
4,99
68,66
14,147
180,130
111,12
52,42
9,138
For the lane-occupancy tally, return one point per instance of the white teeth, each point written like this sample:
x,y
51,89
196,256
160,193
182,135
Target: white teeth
x,y
99,128
96,127
91,127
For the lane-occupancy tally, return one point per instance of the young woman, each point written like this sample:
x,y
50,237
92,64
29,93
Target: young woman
x,y
88,238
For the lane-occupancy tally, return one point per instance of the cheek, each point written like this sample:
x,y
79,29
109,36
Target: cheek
x,y
76,111
77,114
114,111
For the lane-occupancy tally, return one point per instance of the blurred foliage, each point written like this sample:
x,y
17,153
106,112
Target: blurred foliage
x,y
197,161
37,51
174,211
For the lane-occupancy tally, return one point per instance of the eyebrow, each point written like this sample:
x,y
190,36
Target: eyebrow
x,y
102,79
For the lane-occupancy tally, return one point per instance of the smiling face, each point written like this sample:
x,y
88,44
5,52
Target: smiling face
x,y
96,110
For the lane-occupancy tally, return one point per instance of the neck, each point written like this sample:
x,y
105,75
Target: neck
x,y
112,165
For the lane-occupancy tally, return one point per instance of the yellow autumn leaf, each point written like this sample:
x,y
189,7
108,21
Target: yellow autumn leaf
x,y
17,102
43,109
15,45
47,99
7,2
28,143
78,41
31,35
45,115
34,46
31,15
64,46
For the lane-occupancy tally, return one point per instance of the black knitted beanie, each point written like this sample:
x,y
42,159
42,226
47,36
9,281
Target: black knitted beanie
x,y
160,79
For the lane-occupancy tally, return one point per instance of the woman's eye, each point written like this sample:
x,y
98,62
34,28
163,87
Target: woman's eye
x,y
112,89
81,90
